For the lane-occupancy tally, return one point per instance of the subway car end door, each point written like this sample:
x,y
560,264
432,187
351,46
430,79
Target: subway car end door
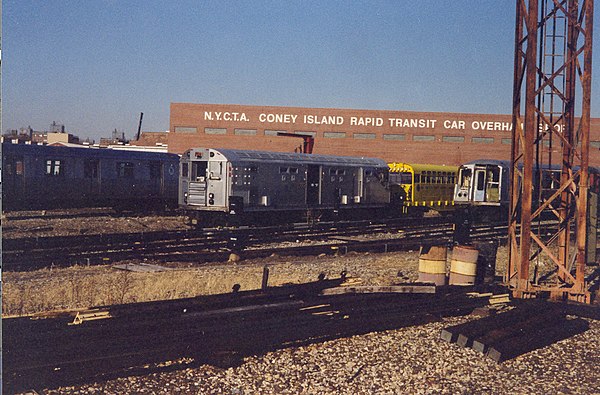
x,y
479,187
217,183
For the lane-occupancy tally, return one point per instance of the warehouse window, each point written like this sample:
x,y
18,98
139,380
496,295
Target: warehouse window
x,y
274,132
334,135
185,129
366,136
215,131
305,133
54,167
423,138
125,169
453,139
506,141
244,132
595,144
482,140
393,137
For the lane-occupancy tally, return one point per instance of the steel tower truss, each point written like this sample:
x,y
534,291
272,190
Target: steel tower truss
x,y
553,64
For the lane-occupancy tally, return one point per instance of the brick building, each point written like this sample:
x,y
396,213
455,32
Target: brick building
x,y
417,137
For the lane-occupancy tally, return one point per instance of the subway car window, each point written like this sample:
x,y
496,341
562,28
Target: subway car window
x,y
125,169
480,180
54,167
155,170
90,169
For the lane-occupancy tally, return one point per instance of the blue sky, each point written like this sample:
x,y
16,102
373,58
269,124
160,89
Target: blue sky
x,y
95,65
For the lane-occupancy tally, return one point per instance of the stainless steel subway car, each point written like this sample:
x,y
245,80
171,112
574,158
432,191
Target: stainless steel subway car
x,y
483,183
483,187
217,184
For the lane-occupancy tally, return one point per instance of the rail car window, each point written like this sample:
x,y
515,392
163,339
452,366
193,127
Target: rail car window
x,y
464,177
90,168
199,171
338,172
125,169
14,166
184,170
155,168
480,180
54,167
550,179
401,178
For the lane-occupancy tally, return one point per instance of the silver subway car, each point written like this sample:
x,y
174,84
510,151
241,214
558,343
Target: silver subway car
x,y
262,185
482,183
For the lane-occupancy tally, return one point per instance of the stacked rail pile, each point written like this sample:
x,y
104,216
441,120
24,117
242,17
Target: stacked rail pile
x,y
78,346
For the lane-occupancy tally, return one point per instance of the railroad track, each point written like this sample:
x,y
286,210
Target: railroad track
x,y
58,350
215,244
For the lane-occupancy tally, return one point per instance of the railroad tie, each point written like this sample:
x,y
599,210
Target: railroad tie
x,y
516,329
464,334
541,337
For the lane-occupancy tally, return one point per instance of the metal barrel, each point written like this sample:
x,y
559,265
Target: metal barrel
x,y
432,264
463,265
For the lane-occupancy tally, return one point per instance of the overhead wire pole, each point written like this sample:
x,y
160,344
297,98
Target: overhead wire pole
x,y
544,121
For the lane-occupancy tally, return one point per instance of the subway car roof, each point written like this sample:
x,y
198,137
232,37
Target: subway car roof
x,y
506,163
233,155
41,150
488,162
399,167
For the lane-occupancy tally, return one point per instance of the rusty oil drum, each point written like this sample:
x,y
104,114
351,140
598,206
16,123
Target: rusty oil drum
x,y
432,264
463,265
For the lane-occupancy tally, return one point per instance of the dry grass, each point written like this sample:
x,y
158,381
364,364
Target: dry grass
x,y
82,287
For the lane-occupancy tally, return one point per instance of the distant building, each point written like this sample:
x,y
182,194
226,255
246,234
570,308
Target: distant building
x,y
151,139
56,135
117,138
61,138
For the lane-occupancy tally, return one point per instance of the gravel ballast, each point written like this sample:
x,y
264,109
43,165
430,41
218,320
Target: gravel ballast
x,y
409,360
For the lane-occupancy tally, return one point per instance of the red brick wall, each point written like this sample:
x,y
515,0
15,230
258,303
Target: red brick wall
x,y
189,121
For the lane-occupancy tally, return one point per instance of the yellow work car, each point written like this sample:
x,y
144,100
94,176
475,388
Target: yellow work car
x,y
419,187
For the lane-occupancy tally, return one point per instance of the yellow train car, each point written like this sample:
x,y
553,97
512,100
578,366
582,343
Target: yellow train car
x,y
422,187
